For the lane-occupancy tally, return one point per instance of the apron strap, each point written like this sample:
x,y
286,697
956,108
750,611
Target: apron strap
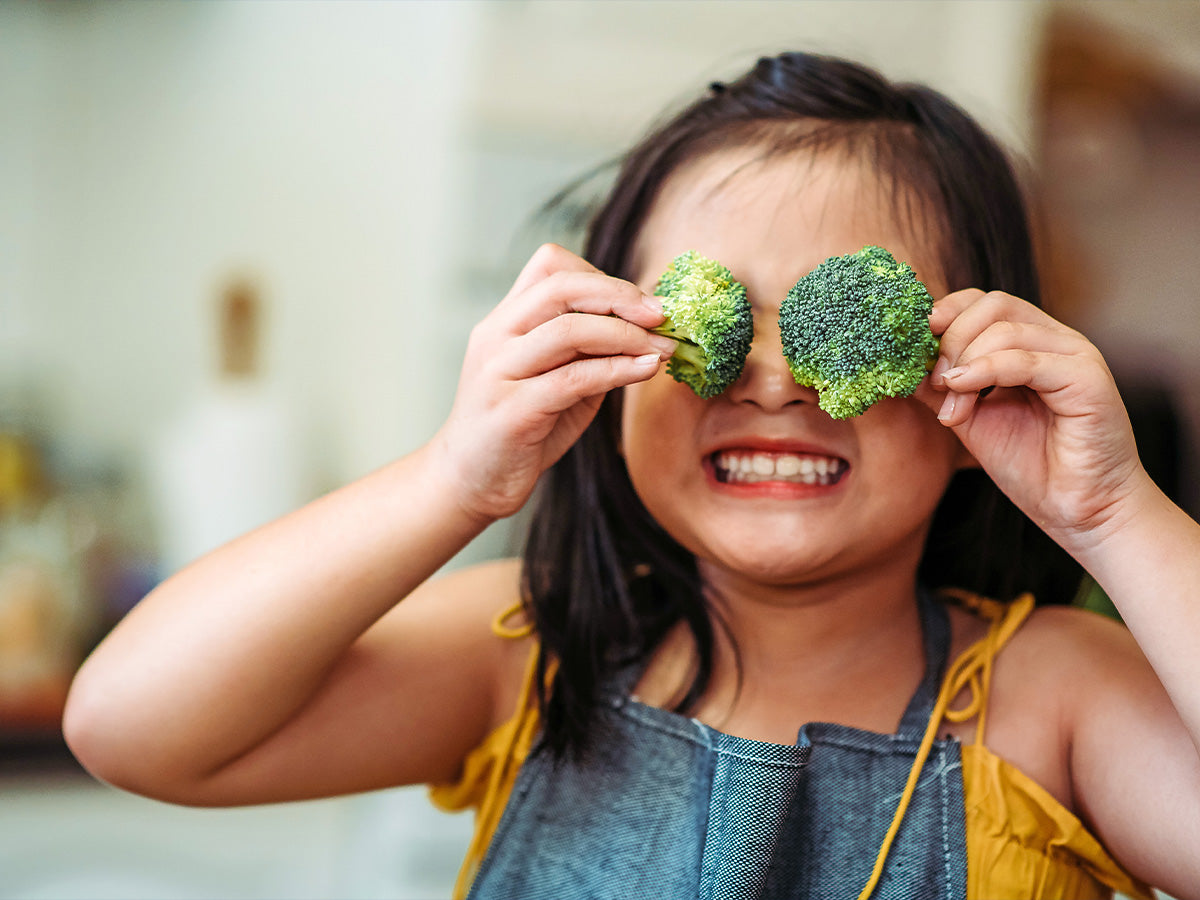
x,y
965,672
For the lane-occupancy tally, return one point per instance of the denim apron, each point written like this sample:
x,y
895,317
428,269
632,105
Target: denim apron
x,y
668,807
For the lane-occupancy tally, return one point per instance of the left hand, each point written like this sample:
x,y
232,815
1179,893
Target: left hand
x,y
1052,431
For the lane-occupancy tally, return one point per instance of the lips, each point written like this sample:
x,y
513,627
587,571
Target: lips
x,y
747,466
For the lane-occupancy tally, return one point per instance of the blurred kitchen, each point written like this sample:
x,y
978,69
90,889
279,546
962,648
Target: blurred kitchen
x,y
242,244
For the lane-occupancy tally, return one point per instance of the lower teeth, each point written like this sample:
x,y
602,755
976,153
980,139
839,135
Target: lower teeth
x,y
755,478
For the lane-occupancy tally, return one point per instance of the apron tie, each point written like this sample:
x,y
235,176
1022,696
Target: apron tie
x,y
972,669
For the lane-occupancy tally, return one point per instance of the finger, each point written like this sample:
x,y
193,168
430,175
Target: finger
x,y
929,395
971,316
1019,367
572,336
1055,378
950,307
973,305
577,292
956,408
1007,334
546,260
562,388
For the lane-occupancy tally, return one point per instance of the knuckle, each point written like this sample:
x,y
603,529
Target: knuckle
x,y
565,327
558,280
629,292
995,301
1005,332
550,255
478,337
967,296
575,379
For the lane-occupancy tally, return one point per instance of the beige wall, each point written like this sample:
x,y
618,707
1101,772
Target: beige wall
x,y
151,149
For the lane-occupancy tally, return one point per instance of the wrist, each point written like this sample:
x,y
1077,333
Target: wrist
x,y
461,485
1126,527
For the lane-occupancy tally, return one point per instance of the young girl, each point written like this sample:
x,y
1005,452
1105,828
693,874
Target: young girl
x,y
751,651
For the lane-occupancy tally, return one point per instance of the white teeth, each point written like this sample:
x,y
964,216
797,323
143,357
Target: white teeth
x,y
752,468
787,466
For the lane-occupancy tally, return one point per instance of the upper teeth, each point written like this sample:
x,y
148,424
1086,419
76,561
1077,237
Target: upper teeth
x,y
746,467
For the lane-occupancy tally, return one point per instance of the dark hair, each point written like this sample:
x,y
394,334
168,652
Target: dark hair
x,y
603,581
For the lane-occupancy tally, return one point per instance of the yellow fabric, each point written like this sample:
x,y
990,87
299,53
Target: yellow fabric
x,y
491,768
1021,842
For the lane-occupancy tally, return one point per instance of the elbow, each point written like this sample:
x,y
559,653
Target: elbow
x,y
91,733
104,740
117,742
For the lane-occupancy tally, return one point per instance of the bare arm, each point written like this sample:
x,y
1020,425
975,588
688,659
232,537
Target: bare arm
x,y
276,667
1055,437
255,651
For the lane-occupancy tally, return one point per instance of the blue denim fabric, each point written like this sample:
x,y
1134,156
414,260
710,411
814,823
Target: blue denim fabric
x,y
667,807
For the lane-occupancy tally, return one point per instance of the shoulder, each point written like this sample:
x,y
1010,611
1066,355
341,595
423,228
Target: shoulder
x,y
1048,679
1072,652
1050,641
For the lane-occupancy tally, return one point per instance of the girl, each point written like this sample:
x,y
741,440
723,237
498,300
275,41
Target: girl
x,y
721,668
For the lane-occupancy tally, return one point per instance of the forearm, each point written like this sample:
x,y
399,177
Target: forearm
x,y
219,656
1148,562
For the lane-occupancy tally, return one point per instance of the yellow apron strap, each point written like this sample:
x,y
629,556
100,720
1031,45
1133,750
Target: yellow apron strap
x,y
501,628
487,817
972,669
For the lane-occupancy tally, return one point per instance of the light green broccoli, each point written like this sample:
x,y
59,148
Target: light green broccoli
x,y
856,328
708,314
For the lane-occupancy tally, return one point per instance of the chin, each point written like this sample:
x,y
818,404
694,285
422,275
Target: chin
x,y
771,565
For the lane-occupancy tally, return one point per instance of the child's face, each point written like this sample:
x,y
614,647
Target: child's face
x,y
771,222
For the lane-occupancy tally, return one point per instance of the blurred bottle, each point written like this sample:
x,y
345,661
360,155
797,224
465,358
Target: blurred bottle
x,y
235,458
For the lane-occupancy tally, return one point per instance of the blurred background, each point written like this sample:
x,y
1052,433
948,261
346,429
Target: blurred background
x,y
242,244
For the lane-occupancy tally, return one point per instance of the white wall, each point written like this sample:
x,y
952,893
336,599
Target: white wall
x,y
372,164
158,148
149,150
600,71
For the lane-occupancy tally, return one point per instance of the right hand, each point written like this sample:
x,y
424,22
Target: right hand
x,y
535,372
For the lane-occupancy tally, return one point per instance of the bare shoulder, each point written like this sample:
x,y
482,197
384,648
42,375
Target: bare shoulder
x,y
1048,680
1076,651
1056,650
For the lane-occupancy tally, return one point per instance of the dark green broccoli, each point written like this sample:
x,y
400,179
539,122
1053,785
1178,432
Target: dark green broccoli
x,y
856,328
708,314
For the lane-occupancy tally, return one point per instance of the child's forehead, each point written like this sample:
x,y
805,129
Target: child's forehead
x,y
773,217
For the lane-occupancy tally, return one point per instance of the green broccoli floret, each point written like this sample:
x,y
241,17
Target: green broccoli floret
x,y
708,314
856,328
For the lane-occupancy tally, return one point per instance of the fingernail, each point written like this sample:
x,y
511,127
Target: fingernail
x,y
947,411
939,369
954,373
665,345
654,303
647,360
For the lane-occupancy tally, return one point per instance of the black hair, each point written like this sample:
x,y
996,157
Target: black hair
x,y
603,581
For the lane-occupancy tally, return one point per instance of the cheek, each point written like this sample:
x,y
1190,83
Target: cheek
x,y
652,413
918,457
658,435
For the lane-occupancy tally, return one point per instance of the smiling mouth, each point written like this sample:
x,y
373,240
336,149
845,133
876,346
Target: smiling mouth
x,y
756,467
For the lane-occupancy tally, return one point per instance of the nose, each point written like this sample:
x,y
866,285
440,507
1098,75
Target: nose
x,y
766,381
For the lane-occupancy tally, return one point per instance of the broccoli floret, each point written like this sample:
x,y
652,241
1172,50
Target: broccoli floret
x,y
708,314
856,328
